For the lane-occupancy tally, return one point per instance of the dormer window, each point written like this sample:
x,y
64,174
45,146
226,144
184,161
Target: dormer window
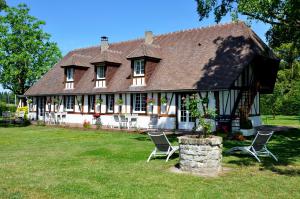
x,y
100,76
100,72
70,74
139,67
69,78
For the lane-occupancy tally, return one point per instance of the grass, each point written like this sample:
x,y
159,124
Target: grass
x,y
43,162
283,120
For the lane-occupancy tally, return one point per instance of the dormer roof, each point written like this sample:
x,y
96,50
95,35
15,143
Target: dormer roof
x,y
145,50
110,56
77,60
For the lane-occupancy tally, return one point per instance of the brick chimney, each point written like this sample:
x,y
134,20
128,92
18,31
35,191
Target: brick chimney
x,y
104,43
148,37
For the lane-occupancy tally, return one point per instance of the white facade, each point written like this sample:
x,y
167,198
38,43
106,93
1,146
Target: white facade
x,y
171,115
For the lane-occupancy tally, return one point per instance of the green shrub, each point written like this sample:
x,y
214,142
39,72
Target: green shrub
x,y
7,107
25,109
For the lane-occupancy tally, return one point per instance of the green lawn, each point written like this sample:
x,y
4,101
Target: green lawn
x,y
43,162
293,121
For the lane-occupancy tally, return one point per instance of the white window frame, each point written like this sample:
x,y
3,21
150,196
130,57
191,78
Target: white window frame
x,y
70,74
69,103
139,68
98,69
109,99
140,110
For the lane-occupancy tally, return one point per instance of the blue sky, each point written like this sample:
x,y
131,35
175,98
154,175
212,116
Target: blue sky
x,y
75,24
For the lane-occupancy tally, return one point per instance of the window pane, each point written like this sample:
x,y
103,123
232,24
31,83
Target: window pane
x,y
70,72
110,103
91,103
70,102
100,72
142,67
139,102
139,68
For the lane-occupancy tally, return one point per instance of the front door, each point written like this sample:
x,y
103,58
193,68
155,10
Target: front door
x,y
185,120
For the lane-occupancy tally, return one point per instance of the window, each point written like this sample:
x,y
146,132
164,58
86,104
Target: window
x,y
185,115
100,72
139,102
70,103
70,74
91,103
139,67
110,103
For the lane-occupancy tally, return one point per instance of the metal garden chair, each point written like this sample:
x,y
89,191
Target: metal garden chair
x,y
258,146
162,146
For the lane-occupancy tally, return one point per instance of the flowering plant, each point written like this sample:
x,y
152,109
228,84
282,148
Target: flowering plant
x,y
150,101
86,124
96,115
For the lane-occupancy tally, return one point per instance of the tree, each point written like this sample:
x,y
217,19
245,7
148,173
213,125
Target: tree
x,y
285,99
2,4
26,52
283,36
282,15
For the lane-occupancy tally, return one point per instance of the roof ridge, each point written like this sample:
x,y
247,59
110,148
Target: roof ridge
x,y
165,34
201,28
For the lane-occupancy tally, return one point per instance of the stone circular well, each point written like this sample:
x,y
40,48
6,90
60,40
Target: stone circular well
x,y
200,155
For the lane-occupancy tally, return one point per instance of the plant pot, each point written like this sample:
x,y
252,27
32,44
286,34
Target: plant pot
x,y
247,132
200,155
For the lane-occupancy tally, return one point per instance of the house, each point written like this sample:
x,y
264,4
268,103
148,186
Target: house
x,y
227,64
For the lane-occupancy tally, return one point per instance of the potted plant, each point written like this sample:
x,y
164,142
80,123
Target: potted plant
x,y
164,101
190,158
150,101
99,101
246,128
245,124
120,103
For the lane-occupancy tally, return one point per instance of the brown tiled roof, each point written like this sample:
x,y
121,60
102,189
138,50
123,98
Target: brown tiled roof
x,y
145,50
203,58
77,60
108,56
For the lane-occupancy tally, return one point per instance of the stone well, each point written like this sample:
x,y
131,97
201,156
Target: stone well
x,y
200,155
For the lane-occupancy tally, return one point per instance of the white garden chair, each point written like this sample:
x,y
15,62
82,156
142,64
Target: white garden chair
x,y
117,122
52,118
47,117
258,146
162,146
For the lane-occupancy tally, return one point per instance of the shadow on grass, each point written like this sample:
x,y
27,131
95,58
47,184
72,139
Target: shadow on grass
x,y
5,124
284,145
172,138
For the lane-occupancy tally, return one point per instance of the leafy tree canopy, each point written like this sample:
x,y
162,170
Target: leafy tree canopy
x,y
282,15
283,36
26,52
2,4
